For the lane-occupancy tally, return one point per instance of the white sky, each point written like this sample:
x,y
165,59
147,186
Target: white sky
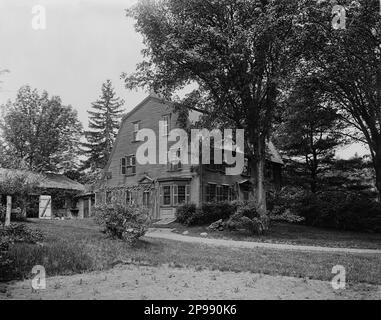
x,y
85,43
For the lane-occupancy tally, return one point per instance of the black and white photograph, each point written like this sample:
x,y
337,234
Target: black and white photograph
x,y
180,152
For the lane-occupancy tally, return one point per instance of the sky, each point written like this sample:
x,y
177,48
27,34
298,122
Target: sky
x,y
85,43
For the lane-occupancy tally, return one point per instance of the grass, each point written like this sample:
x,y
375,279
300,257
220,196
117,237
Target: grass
x,y
293,234
78,246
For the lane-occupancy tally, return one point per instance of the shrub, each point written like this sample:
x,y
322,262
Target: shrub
x,y
3,211
285,200
208,213
341,210
185,212
249,218
15,233
125,222
21,233
286,216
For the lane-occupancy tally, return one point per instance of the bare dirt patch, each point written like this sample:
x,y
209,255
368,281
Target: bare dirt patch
x,y
133,282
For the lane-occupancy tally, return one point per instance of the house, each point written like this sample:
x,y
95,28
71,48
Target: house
x,y
55,196
162,188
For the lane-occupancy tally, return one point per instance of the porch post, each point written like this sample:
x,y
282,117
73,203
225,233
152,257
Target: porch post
x,y
9,210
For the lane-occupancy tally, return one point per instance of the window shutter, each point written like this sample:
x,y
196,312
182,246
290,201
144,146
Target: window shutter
x,y
187,194
175,195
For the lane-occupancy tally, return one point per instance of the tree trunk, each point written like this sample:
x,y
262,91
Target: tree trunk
x,y
260,162
260,185
377,167
9,210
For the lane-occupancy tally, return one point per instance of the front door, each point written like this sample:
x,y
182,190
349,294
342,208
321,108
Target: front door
x,y
167,209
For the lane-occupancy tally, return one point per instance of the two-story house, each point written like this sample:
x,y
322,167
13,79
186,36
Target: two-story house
x,y
163,188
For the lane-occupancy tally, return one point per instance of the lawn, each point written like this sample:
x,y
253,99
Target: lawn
x,y
78,246
292,234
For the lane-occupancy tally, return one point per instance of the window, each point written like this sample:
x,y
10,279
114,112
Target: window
x,y
131,165
166,125
123,166
129,199
232,194
136,130
167,195
108,197
246,196
225,193
146,198
211,192
173,164
219,194
181,194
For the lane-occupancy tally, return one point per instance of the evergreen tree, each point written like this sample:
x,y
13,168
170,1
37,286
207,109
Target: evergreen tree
x,y
104,121
309,132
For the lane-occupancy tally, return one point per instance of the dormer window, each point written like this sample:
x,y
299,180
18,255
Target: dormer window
x,y
173,164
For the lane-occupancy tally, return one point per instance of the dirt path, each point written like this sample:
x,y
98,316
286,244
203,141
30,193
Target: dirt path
x,y
169,235
139,283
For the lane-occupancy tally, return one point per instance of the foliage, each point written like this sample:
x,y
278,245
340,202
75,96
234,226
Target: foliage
x,y
347,64
185,212
236,53
41,131
341,210
310,130
3,212
286,216
249,217
21,233
125,222
285,199
189,215
10,235
104,124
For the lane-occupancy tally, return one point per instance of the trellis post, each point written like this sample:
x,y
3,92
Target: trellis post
x,y
9,210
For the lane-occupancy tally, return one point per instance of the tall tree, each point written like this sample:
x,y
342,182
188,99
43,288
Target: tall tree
x,y
103,124
348,63
310,131
40,131
236,52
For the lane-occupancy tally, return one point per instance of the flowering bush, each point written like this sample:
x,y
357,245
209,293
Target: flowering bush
x,y
125,222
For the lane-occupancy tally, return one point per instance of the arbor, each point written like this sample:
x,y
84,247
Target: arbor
x,y
41,131
235,52
103,124
310,130
18,184
347,63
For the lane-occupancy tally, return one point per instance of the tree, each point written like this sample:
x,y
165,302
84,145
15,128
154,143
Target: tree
x,y
103,124
348,65
310,131
18,184
40,131
235,52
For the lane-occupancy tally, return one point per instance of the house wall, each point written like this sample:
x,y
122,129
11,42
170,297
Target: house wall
x,y
149,113
149,116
